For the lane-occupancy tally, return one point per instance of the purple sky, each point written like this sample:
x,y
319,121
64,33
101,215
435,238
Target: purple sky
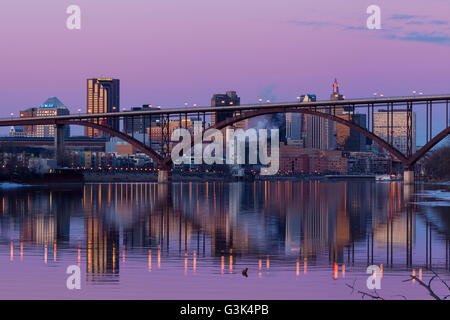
x,y
166,52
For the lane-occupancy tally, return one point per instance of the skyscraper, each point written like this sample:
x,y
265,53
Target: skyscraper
x,y
230,98
317,132
278,121
347,139
294,128
138,124
103,96
399,128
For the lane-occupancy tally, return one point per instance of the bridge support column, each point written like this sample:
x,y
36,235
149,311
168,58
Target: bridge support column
x,y
408,176
59,144
164,176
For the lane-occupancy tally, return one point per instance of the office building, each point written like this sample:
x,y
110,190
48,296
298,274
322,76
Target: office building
x,y
348,139
317,132
139,124
50,108
398,128
294,128
278,121
230,98
103,96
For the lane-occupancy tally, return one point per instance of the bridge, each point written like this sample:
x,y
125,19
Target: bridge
x,y
235,113
98,143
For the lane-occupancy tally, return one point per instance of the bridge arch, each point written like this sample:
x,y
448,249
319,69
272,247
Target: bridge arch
x,y
134,142
427,147
252,114
165,163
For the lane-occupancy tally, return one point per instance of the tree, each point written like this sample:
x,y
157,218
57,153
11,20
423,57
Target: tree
x,y
437,164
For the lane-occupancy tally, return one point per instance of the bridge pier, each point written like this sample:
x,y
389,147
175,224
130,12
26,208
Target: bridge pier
x,y
59,145
164,176
408,176
164,194
408,191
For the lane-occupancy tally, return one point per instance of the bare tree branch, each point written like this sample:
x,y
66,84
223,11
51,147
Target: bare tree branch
x,y
445,283
426,286
364,294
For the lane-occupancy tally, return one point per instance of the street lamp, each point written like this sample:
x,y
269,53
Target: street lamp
x,y
267,101
375,95
12,114
381,95
298,98
260,100
79,110
414,92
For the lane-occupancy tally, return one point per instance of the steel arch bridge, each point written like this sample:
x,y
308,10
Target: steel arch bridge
x,y
330,110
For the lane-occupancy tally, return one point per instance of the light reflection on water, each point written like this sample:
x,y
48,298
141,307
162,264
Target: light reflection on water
x,y
192,240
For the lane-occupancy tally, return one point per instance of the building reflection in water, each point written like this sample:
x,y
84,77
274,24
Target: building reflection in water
x,y
338,224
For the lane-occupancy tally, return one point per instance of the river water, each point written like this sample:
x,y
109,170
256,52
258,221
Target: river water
x,y
299,240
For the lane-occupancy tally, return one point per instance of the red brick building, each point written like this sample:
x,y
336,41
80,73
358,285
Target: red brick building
x,y
298,160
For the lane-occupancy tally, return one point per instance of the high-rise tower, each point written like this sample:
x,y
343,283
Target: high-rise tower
x,y
348,139
103,96
317,132
229,99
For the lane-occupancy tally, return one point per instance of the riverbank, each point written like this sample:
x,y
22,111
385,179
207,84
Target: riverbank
x,y
102,177
94,177
145,177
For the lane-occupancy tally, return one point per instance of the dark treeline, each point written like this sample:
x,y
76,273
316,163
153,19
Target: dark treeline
x,y
437,164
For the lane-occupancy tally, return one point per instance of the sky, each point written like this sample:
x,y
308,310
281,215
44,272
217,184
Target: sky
x,y
168,52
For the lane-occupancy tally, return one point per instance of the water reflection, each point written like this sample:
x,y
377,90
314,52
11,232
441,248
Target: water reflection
x,y
290,226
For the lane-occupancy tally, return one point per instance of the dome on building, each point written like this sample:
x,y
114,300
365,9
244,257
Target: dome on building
x,y
53,102
16,129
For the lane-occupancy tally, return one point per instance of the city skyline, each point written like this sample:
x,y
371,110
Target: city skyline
x,y
103,95
173,58
245,150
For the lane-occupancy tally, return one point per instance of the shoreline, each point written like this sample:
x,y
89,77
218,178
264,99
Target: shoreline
x,y
88,177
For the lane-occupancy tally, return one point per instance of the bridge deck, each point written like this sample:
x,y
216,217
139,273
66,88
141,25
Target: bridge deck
x,y
317,104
